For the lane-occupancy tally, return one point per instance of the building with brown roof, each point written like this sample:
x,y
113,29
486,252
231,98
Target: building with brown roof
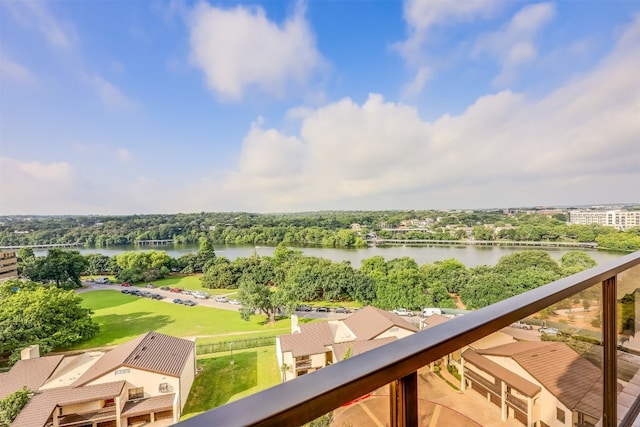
x,y
145,379
538,383
315,345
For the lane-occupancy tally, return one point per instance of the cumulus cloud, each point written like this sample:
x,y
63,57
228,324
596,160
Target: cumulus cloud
x,y
241,48
575,145
513,45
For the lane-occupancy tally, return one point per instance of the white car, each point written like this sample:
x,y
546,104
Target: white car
x,y
234,302
522,325
221,298
403,312
200,295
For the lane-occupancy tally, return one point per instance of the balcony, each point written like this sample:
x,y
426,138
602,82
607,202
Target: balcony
x,y
396,373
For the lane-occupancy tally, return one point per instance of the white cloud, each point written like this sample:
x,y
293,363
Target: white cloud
x,y
34,14
34,186
241,48
513,45
12,70
123,155
578,144
414,88
422,15
112,96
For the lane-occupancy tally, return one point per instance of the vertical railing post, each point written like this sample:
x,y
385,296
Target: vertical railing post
x,y
403,401
610,342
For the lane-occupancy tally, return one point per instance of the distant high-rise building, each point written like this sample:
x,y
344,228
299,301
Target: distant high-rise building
x,y
618,218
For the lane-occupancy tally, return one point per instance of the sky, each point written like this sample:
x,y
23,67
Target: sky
x,y
135,107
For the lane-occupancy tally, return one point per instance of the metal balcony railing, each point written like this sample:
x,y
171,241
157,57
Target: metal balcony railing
x,y
308,397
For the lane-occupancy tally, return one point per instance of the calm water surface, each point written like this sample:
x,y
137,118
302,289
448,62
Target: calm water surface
x,y
468,255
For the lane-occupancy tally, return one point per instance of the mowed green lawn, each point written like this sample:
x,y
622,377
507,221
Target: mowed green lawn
x,y
219,382
122,317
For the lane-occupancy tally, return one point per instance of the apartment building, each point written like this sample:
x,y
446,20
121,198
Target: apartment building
x,y
144,380
8,265
615,218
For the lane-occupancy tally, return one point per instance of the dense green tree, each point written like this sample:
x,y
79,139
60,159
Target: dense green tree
x,y
12,405
574,261
525,259
97,264
43,315
451,273
60,267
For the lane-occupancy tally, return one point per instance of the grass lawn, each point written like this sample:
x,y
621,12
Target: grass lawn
x,y
122,317
220,382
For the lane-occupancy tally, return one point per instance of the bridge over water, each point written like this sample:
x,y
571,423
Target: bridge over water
x,y
546,244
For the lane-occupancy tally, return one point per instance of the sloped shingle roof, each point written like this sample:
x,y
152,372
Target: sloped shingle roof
x,y
39,409
370,322
151,352
359,347
312,339
30,373
572,379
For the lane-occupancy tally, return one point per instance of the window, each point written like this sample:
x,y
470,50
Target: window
x,y
122,371
163,387
560,415
109,402
136,393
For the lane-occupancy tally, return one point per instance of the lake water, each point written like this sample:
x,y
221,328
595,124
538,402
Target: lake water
x,y
468,255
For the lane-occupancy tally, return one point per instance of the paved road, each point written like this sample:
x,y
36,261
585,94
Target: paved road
x,y
170,296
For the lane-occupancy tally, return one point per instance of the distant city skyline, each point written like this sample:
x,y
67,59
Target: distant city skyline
x,y
291,106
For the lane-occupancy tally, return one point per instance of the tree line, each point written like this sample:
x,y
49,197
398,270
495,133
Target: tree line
x,y
277,284
328,229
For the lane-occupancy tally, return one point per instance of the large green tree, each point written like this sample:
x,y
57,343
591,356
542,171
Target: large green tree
x,y
60,267
44,315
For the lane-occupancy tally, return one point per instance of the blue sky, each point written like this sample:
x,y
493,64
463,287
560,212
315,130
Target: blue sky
x,y
277,106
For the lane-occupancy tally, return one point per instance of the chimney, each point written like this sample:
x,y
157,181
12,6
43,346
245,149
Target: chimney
x,y
31,352
294,324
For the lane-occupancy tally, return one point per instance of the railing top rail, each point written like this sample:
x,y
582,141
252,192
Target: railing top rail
x,y
312,395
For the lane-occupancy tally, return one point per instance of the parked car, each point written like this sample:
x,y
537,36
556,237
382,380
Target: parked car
x,y
164,288
157,296
234,302
146,294
403,312
549,331
150,285
522,325
322,309
200,295
178,301
103,280
341,310
186,292
189,303
303,308
136,292
426,312
176,290
125,284
125,291
221,298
